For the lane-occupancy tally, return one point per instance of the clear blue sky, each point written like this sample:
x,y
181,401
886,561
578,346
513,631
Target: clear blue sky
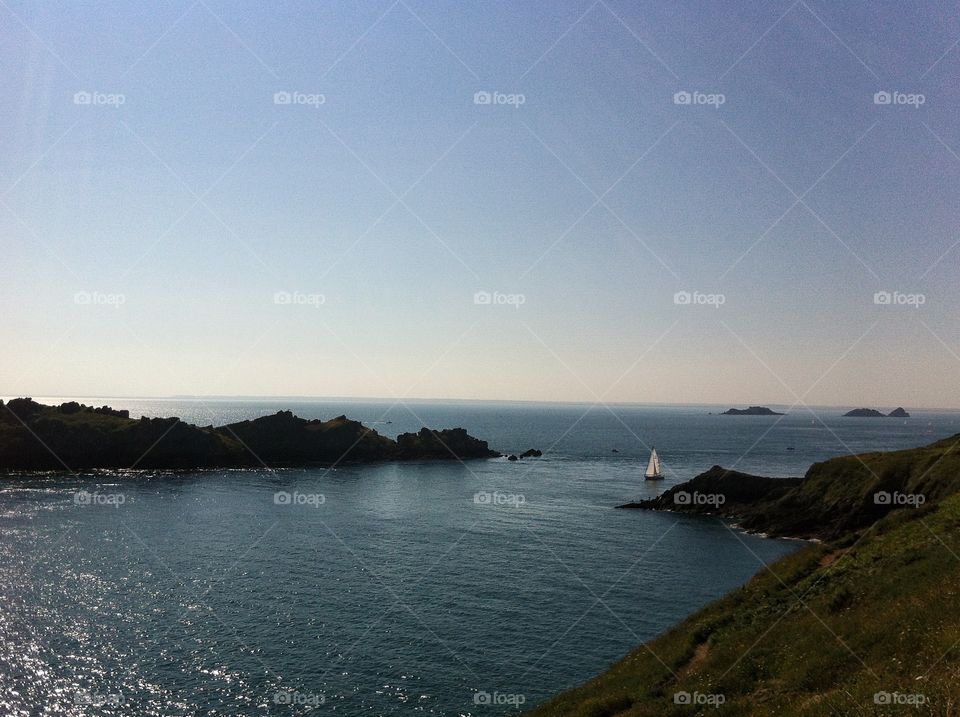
x,y
144,242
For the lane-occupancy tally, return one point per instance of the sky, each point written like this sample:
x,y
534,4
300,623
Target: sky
x,y
672,202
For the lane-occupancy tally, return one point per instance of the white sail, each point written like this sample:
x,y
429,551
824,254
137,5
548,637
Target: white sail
x,y
653,467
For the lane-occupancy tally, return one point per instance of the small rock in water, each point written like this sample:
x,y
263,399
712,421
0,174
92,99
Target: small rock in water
x,y
511,457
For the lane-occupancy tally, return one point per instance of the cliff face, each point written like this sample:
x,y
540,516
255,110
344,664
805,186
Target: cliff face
x,y
75,437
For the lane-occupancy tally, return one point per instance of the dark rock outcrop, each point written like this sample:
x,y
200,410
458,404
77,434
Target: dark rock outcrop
x,y
898,413
531,453
752,411
863,413
75,437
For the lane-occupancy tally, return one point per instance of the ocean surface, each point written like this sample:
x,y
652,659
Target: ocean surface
x,y
433,588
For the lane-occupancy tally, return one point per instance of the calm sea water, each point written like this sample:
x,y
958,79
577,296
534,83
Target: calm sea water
x,y
388,589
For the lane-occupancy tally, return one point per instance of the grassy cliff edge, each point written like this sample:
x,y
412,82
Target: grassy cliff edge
x,y
866,622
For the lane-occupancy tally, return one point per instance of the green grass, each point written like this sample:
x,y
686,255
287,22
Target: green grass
x,y
823,630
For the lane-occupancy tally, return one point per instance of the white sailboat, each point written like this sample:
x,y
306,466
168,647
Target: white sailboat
x,y
653,467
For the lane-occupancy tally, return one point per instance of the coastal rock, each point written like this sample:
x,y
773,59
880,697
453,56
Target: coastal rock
x,y
898,413
511,457
863,413
751,411
74,437
531,453
449,443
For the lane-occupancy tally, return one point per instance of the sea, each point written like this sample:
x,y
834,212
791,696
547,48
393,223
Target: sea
x,y
436,588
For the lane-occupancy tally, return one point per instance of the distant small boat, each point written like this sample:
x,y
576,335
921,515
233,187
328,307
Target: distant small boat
x,y
653,467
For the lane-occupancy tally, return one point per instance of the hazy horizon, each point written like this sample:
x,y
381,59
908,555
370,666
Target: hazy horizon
x,y
680,204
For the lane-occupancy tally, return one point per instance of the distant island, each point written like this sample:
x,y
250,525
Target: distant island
x,y
870,602
72,436
872,413
752,411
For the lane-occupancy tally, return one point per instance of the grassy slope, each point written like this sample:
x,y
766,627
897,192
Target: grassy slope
x,y
822,630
